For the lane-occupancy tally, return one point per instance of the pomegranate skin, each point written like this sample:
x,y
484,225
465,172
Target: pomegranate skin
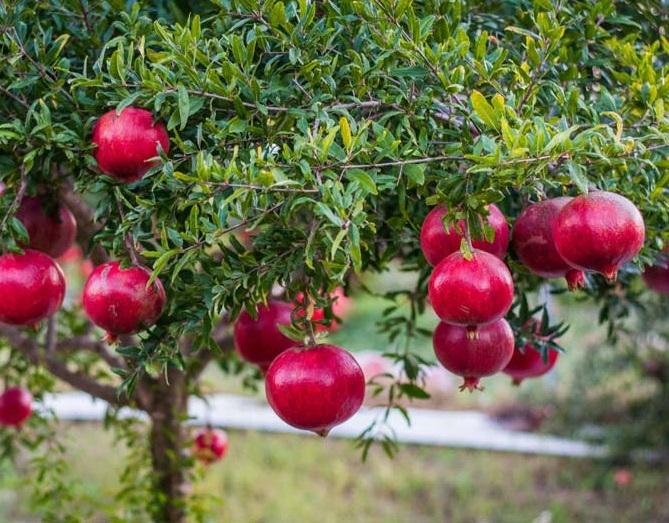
x,y
529,364
259,341
599,232
471,292
210,445
437,243
533,242
656,277
32,287
52,233
315,388
118,301
15,407
126,143
473,358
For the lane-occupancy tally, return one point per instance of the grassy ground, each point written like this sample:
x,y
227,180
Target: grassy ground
x,y
282,478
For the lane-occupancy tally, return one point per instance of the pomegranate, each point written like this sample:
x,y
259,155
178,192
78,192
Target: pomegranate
x,y
119,301
259,341
32,287
656,276
534,245
210,445
127,141
341,305
15,407
471,292
599,232
475,358
528,363
436,242
315,388
51,229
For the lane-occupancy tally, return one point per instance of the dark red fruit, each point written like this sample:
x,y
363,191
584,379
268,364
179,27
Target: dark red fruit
x,y
528,363
126,142
599,232
32,287
437,243
15,407
210,445
473,358
259,341
118,300
315,388
471,292
656,276
52,229
534,245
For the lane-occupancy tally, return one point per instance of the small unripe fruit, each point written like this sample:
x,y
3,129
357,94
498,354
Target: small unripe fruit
x,y
32,287
15,407
119,301
315,388
127,142
210,445
51,229
437,243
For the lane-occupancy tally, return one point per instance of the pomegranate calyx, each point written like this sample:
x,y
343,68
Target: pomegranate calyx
x,y
471,384
575,279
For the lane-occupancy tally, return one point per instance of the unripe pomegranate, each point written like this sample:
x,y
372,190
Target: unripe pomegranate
x,y
471,292
210,445
51,229
534,245
474,358
315,388
599,232
32,287
259,341
119,301
15,407
127,141
436,242
528,363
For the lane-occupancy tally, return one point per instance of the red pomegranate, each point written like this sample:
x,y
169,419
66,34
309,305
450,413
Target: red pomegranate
x,y
436,242
341,305
210,445
51,229
32,287
656,276
315,388
259,341
528,363
471,292
599,232
533,242
118,300
15,407
473,358
127,141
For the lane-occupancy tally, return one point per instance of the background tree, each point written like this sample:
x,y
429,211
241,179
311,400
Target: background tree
x,y
327,129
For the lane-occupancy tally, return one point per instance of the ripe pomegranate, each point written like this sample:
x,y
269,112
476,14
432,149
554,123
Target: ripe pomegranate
x,y
599,232
475,358
528,363
315,388
15,407
471,292
127,141
51,229
533,242
119,301
259,341
341,305
436,242
210,445
656,276
32,287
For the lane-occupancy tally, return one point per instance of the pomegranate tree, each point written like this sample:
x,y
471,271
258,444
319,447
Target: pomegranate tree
x,y
51,227
16,407
210,445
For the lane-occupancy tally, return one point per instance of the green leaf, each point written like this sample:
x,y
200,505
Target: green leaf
x,y
483,109
364,179
184,106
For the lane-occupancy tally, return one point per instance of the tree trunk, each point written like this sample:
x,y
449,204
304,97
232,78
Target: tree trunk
x,y
168,437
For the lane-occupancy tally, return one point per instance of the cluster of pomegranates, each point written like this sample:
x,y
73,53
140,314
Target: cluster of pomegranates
x,y
472,291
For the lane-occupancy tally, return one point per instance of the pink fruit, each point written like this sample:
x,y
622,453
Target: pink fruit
x,y
315,388
534,245
119,301
210,445
471,292
32,287
529,363
474,358
127,142
51,229
259,341
15,407
437,243
599,232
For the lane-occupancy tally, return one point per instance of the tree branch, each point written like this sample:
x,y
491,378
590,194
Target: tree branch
x,y
91,345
